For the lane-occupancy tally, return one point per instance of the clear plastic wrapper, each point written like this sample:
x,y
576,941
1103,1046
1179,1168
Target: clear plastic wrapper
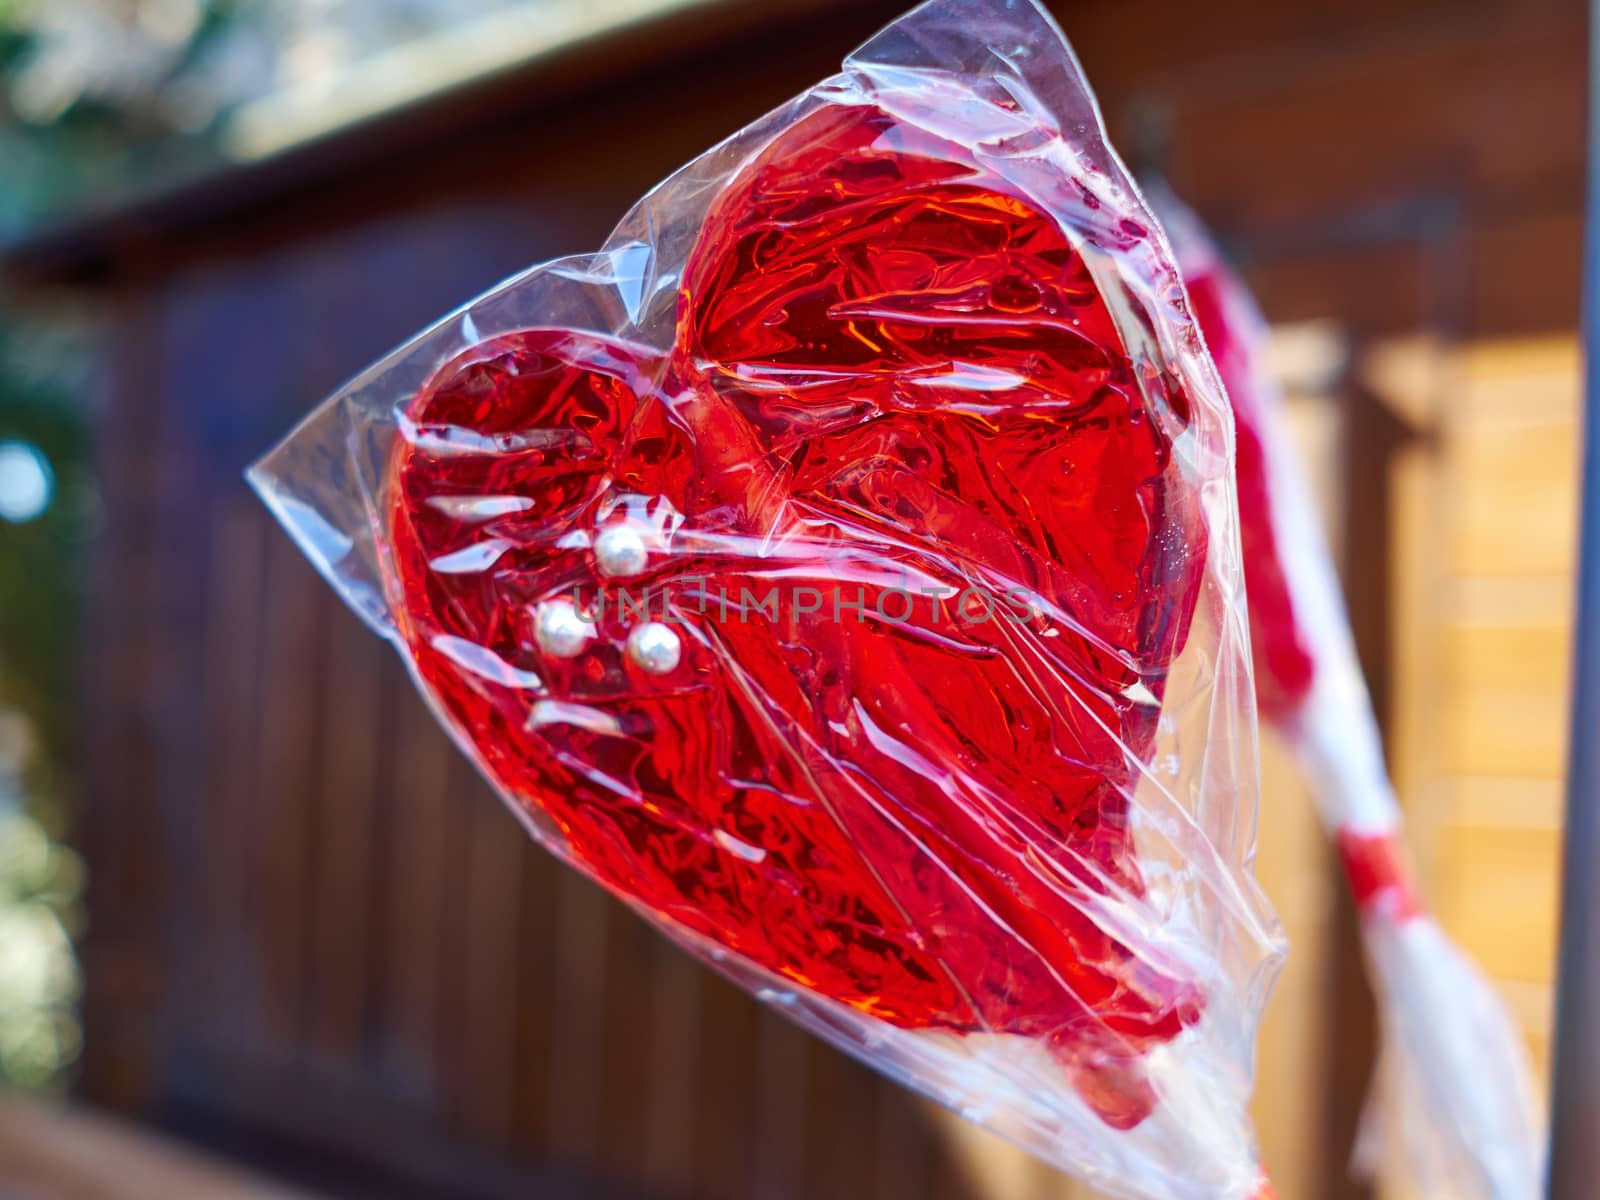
x,y
841,566
1456,1096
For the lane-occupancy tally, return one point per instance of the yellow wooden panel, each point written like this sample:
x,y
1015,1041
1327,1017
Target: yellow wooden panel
x,y
1514,658
1504,731
1511,498
1519,380
1292,867
1539,1052
1532,1006
1498,896
1509,600
1482,533
1419,586
1508,803
1534,355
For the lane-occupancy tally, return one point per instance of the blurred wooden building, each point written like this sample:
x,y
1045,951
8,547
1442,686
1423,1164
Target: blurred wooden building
x,y
317,943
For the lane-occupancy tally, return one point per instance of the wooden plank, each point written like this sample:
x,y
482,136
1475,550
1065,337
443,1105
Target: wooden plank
x,y
1484,606
119,822
1509,600
285,800
676,998
1505,803
417,872
1516,732
1494,658
628,1048
497,851
537,983
725,1130
1510,497
582,916
229,1003
1292,865
907,1155
454,1009
1497,894
1537,377
784,1081
1421,583
346,827
840,1118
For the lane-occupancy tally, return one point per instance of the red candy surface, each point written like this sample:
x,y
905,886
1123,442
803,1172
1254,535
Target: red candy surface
x,y
920,533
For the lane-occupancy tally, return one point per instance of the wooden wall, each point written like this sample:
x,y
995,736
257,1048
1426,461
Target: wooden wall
x,y
312,951
1485,538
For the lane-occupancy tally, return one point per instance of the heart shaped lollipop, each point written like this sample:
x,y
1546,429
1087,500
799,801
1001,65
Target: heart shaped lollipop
x,y
838,634
840,567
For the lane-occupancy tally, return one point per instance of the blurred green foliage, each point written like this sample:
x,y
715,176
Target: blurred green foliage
x,y
100,147
44,170
41,882
41,879
41,385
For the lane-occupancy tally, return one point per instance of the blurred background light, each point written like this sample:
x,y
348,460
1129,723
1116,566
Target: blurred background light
x,y
26,482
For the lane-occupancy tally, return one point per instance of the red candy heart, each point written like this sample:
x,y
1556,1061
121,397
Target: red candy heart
x,y
908,514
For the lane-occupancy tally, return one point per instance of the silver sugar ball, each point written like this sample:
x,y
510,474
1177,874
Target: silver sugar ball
x,y
559,630
619,551
654,647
